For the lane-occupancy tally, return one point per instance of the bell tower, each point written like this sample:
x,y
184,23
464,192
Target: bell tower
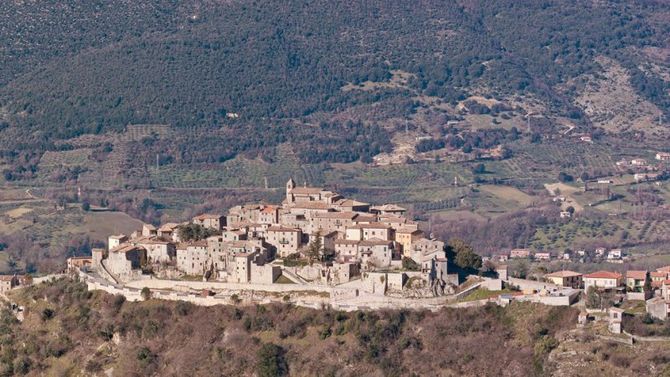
x,y
290,185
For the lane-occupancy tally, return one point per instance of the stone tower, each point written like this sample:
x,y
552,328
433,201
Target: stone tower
x,y
290,185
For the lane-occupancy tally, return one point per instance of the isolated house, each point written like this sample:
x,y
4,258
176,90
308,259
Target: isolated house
x,y
76,263
7,282
519,253
542,256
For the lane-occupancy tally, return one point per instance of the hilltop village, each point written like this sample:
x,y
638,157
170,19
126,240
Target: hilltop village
x,y
349,253
315,236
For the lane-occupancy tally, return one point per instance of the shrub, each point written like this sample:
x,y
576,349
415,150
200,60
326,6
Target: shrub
x,y
145,356
47,314
271,361
146,293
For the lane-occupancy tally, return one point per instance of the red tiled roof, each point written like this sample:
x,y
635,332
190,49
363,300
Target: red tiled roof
x,y
603,275
638,275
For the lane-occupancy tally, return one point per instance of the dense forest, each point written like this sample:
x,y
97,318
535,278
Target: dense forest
x,y
74,67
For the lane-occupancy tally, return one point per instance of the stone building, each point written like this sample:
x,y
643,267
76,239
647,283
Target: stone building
x,y
125,261
192,258
7,282
210,221
286,240
158,251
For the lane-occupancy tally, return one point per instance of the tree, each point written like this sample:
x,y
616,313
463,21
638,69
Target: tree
x,y
12,264
565,177
314,248
463,255
146,293
194,232
592,298
646,288
271,361
479,169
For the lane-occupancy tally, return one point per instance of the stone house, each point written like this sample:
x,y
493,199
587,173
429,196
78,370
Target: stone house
x,y
233,235
406,237
351,205
658,307
343,271
288,219
243,267
657,278
264,273
242,214
425,248
377,231
396,222
543,256
158,251
603,280
565,278
76,263
115,241
149,230
332,221
286,240
615,320
376,252
192,258
206,220
269,215
125,260
169,231
389,209
519,253
296,194
345,247
328,240
8,282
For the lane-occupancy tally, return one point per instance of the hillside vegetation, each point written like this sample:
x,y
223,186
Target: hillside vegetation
x,y
73,67
69,331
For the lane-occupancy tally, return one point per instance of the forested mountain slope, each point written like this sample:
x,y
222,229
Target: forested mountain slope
x,y
73,67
